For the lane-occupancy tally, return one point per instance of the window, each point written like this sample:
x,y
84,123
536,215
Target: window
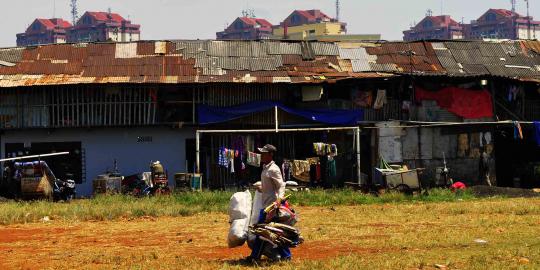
x,y
87,20
427,24
491,17
238,25
295,19
36,27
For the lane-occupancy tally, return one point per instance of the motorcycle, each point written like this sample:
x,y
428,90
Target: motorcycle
x,y
64,190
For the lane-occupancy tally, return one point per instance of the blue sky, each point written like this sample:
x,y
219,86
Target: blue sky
x,y
189,19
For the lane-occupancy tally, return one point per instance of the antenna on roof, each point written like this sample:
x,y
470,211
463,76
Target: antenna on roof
x,y
338,9
528,22
442,7
250,13
54,9
514,3
109,14
429,13
74,12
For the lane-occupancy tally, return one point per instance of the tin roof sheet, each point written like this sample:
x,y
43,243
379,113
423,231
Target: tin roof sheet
x,y
265,61
325,48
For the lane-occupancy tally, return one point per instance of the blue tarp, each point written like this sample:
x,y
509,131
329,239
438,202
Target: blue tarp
x,y
213,115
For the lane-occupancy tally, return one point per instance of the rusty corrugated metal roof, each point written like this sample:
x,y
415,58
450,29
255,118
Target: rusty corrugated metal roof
x,y
511,59
171,62
201,61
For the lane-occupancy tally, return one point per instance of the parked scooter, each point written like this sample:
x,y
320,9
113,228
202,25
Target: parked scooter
x,y
160,181
444,175
64,190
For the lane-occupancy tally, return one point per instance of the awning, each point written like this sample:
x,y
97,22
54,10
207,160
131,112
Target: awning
x,y
213,115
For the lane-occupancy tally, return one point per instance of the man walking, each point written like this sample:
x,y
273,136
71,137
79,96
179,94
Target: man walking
x,y
272,189
273,186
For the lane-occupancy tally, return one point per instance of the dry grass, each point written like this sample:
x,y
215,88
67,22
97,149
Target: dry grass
x,y
414,235
186,204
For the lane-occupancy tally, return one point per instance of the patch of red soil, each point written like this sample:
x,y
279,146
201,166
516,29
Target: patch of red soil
x,y
319,250
316,250
11,235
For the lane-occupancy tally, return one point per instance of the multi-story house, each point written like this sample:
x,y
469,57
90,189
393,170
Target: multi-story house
x,y
309,24
247,28
503,24
435,27
103,26
44,31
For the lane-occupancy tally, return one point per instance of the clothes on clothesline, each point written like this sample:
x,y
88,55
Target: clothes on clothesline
x,y
301,168
286,170
323,149
513,92
381,100
226,158
518,132
331,168
254,159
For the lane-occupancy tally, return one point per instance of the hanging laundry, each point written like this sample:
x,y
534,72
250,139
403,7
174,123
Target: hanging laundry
x,y
322,149
313,160
469,104
380,100
333,150
254,159
332,172
518,132
223,160
286,170
363,99
300,170
231,161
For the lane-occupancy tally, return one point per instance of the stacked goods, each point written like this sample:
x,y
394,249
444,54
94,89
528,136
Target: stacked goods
x,y
239,218
277,228
36,179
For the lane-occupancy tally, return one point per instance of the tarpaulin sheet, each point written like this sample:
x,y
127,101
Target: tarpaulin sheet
x,y
213,115
469,104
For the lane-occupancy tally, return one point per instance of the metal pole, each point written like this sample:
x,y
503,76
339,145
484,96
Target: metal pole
x,y
197,152
276,117
35,156
198,156
358,168
528,22
273,130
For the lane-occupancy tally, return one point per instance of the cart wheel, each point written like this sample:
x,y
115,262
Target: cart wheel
x,y
404,189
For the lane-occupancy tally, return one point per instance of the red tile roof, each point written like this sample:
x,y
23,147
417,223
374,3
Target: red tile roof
x,y
504,12
444,19
255,21
313,14
104,16
61,22
53,23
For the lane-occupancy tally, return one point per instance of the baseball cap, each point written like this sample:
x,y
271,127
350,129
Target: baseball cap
x,y
268,149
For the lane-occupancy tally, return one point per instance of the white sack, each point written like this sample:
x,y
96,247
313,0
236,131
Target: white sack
x,y
240,206
256,209
238,233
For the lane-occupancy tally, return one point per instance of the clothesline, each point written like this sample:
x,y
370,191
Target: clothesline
x,y
417,124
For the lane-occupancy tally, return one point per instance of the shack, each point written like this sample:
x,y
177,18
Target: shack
x,y
141,101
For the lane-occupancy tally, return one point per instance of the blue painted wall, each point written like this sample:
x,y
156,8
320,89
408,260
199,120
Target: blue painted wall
x,y
102,146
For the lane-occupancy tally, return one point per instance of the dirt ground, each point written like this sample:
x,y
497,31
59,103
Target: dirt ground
x,y
486,191
410,236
